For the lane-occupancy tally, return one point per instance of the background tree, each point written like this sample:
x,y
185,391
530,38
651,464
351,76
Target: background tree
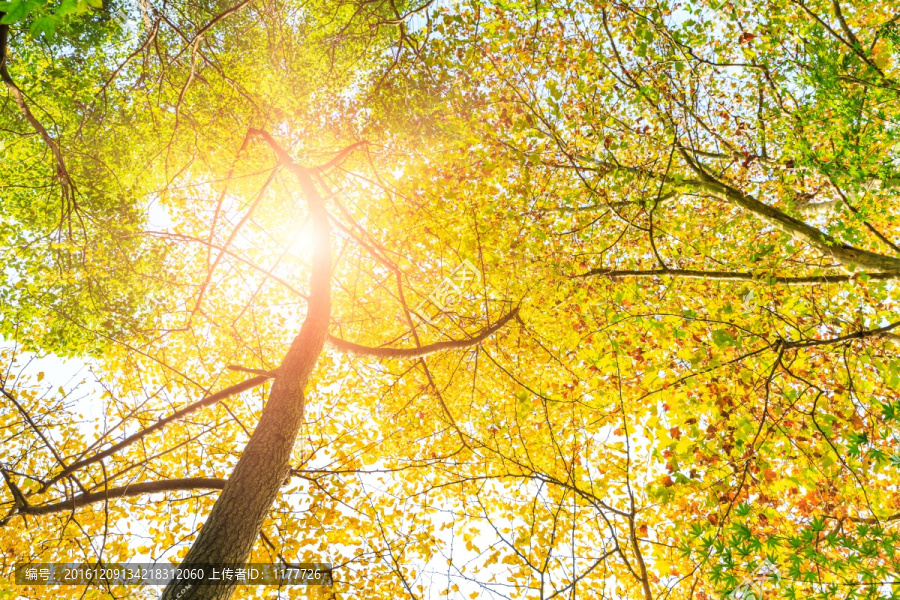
x,y
678,362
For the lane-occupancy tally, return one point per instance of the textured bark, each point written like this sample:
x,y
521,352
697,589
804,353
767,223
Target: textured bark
x,y
236,519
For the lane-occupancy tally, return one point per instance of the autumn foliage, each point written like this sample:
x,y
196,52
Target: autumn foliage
x,y
676,368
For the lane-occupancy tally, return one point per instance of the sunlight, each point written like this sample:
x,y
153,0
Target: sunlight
x,y
303,240
464,299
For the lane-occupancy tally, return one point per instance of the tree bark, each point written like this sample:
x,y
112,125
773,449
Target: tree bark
x,y
237,517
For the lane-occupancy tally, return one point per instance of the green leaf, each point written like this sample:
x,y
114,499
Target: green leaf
x,y
45,25
17,10
69,7
723,339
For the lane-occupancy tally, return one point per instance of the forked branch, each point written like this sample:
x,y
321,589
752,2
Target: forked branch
x,y
62,173
177,415
134,489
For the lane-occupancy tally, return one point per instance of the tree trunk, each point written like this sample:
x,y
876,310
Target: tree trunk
x,y
237,517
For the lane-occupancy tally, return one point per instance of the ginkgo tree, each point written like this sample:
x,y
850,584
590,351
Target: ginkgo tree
x,y
674,373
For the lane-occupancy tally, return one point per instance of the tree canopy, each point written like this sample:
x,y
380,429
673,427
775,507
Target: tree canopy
x,y
469,299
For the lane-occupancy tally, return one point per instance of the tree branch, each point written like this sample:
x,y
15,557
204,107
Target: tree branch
x,y
18,497
859,335
360,350
33,425
866,520
179,414
848,256
238,257
134,489
735,276
340,157
61,173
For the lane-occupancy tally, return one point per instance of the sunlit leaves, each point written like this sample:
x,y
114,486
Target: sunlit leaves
x,y
705,423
